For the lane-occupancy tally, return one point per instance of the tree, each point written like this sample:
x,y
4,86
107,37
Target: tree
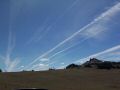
x,y
51,69
33,70
0,70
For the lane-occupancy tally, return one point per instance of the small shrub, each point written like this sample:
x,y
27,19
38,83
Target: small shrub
x,y
88,66
51,69
32,70
0,70
105,65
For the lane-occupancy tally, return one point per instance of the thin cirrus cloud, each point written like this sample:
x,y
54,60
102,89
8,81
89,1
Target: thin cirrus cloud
x,y
44,65
39,66
68,48
105,16
44,59
10,64
39,34
110,50
115,53
94,32
42,30
99,54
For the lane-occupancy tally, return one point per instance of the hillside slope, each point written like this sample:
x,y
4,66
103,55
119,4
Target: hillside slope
x,y
71,79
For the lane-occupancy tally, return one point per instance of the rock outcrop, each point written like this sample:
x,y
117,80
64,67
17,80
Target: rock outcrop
x,y
71,66
96,63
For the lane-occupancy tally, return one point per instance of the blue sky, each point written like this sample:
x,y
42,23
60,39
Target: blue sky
x,y
38,34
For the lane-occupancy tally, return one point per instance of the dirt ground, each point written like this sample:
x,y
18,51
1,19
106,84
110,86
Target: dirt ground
x,y
72,79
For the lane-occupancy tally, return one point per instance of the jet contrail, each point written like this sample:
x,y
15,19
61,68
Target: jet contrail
x,y
104,16
95,55
100,53
9,63
51,25
9,50
13,11
88,37
67,48
1,57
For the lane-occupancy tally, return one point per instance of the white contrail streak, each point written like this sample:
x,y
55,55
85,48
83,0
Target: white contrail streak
x,y
100,53
104,16
1,57
9,50
59,52
86,38
46,30
13,11
96,55
9,63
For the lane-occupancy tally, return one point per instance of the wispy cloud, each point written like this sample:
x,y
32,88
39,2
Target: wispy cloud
x,y
1,57
45,28
15,7
62,66
39,33
46,65
115,53
95,31
66,49
105,16
10,47
98,54
40,66
10,64
44,59
113,56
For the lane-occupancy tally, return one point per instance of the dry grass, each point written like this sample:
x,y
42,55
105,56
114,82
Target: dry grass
x,y
74,79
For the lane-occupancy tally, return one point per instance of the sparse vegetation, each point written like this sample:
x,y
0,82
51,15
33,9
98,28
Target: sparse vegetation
x,y
98,64
52,69
74,77
0,70
105,65
33,70
70,79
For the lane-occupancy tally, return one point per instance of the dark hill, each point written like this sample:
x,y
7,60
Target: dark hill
x,y
96,63
71,66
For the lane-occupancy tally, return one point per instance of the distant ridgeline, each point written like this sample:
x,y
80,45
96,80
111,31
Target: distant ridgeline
x,y
95,63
